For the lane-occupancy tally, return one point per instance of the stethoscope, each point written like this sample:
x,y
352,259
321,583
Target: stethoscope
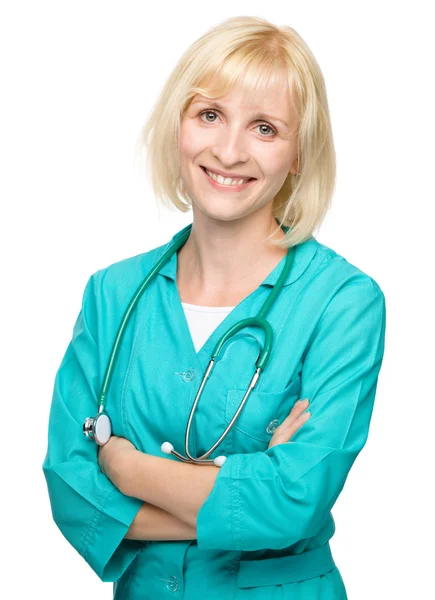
x,y
99,428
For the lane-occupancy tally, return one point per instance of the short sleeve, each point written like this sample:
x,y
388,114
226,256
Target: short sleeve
x,y
276,498
92,514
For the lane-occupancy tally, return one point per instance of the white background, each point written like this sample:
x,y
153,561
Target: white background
x,y
78,80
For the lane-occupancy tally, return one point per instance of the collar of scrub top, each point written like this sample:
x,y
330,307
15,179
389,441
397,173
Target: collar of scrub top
x,y
304,254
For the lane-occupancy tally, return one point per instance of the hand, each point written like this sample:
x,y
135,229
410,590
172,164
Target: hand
x,y
114,459
291,424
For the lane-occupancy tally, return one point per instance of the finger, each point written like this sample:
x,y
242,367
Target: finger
x,y
295,425
288,431
295,412
299,407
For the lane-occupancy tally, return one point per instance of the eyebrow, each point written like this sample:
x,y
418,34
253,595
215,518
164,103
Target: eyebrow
x,y
258,115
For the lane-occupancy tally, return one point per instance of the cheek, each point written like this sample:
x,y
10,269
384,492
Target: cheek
x,y
184,143
276,162
190,139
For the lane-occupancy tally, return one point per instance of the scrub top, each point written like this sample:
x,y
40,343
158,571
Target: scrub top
x,y
263,532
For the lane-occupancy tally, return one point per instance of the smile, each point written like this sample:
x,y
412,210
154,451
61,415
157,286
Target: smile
x,y
219,182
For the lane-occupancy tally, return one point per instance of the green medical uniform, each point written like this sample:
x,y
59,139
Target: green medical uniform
x,y
264,530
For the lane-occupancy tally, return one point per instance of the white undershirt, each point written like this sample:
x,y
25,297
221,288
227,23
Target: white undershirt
x,y
203,320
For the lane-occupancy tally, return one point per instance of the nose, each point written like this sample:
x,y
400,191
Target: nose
x,y
229,147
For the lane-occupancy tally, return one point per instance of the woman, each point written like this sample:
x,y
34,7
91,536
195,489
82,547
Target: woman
x,y
246,102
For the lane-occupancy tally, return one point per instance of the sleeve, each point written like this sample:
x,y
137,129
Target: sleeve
x,y
92,514
276,498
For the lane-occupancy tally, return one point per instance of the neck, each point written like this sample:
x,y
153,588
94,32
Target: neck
x,y
222,262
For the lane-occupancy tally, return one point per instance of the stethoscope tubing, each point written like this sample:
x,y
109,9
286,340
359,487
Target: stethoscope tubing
x,y
90,425
130,308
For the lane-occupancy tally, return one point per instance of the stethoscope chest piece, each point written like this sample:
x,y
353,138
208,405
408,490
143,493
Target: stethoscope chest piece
x,y
98,428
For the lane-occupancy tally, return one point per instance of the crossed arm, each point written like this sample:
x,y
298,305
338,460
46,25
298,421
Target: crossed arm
x,y
154,523
172,491
340,374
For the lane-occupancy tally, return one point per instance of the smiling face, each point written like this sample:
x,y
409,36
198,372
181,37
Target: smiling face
x,y
254,138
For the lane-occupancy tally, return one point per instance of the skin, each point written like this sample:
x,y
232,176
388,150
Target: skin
x,y
118,452
224,259
225,256
179,489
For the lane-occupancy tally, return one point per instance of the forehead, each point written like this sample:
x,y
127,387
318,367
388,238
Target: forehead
x,y
270,93
256,100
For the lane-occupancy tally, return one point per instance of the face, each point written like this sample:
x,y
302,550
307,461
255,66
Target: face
x,y
229,136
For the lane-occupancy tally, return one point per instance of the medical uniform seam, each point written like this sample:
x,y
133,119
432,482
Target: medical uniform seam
x,y
373,364
99,513
351,420
89,532
232,504
237,513
86,539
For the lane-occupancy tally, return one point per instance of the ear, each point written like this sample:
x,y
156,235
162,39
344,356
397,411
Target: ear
x,y
295,167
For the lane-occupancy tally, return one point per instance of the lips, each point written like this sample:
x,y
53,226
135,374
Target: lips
x,y
228,189
233,177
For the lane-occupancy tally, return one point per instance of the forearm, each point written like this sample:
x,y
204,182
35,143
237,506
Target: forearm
x,y
154,523
176,487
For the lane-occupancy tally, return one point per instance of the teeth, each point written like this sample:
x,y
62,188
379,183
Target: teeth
x,y
225,180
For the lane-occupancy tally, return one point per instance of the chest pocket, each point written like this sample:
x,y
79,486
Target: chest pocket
x,y
260,416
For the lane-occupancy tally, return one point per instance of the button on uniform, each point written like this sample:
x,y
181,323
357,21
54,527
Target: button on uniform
x,y
172,584
188,375
272,426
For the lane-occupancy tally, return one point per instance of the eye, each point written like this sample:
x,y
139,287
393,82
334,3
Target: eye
x,y
213,112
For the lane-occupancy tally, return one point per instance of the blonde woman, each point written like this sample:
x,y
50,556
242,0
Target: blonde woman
x,y
241,136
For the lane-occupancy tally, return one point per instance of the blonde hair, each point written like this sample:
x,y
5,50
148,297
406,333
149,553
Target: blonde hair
x,y
253,52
